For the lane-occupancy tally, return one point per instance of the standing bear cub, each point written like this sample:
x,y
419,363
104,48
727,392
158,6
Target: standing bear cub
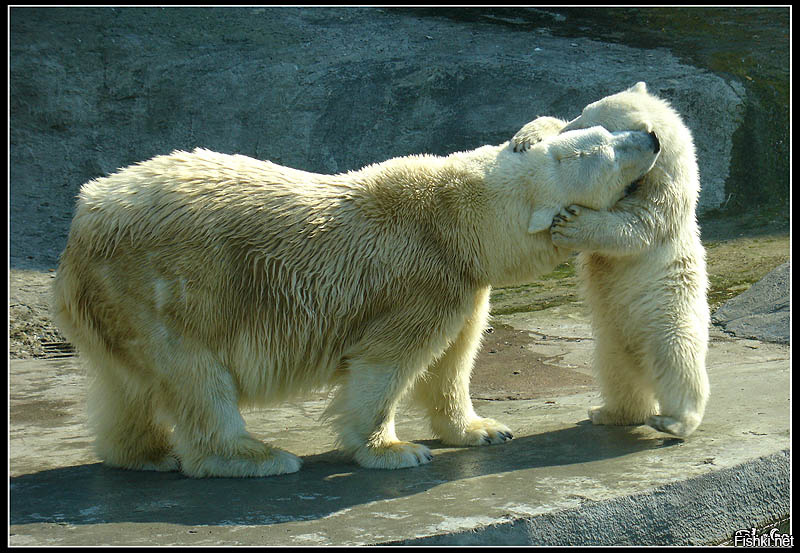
x,y
643,270
197,283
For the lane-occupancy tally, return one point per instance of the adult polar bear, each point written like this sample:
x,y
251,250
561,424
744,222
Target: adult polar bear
x,y
198,282
643,270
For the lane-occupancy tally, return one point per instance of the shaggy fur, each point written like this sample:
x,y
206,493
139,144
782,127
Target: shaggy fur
x,y
196,283
644,272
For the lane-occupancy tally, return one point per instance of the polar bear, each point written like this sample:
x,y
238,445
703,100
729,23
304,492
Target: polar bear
x,y
643,271
196,283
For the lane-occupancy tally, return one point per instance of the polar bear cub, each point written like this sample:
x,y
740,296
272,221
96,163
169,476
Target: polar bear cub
x,y
643,270
197,283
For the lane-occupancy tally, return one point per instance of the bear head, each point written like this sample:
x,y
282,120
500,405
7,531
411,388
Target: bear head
x,y
637,109
592,167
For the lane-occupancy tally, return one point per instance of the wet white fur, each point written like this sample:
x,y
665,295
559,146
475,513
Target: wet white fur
x,y
196,283
644,273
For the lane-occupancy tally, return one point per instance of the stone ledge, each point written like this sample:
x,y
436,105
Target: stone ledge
x,y
560,481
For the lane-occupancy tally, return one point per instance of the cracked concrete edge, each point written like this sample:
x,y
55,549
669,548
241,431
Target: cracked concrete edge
x,y
703,510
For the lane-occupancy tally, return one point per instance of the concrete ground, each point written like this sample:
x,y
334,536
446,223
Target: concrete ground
x,y
559,481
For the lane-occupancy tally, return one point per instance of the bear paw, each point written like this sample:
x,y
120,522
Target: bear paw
x,y
604,416
479,431
248,461
158,460
567,230
536,131
676,427
599,415
567,215
395,455
522,145
169,463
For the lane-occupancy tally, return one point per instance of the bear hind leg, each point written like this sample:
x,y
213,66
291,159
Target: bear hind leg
x,y
681,386
625,386
127,433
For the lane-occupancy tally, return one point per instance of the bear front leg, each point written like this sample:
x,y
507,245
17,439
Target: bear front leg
x,y
615,232
444,389
625,384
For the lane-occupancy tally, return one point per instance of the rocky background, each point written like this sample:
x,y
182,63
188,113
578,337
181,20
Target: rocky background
x,y
333,89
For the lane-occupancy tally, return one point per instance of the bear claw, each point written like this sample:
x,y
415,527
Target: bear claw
x,y
522,146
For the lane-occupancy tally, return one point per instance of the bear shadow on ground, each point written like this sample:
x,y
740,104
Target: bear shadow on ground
x,y
96,494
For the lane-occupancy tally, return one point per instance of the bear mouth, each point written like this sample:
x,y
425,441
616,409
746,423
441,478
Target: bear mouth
x,y
633,187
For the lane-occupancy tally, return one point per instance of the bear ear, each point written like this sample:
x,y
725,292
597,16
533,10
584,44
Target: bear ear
x,y
542,218
640,88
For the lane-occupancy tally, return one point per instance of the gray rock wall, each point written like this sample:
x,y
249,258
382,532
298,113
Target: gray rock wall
x,y
762,311
321,89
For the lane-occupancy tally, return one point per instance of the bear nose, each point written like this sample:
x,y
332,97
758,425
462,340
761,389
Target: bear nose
x,y
656,143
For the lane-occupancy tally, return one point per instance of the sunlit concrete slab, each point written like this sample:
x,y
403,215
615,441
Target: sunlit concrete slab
x,y
560,480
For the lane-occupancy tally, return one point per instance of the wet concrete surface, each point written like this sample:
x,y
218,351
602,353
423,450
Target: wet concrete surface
x,y
560,481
